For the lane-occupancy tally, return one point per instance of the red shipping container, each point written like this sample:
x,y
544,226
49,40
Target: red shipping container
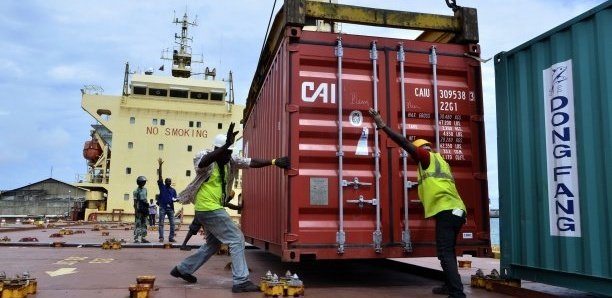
x,y
330,205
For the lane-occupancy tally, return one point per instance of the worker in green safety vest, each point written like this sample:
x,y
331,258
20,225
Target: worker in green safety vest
x,y
440,200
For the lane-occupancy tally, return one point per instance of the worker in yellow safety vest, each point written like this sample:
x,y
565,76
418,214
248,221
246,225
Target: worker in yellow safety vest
x,y
440,200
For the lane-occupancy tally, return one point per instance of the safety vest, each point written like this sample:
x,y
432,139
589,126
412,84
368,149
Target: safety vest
x,y
210,194
437,189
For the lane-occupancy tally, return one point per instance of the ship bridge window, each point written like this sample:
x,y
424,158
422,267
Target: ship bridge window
x,y
132,120
189,148
182,93
188,173
128,171
198,95
216,96
154,121
162,121
158,92
139,89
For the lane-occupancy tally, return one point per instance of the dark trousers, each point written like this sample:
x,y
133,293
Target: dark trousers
x,y
447,229
151,220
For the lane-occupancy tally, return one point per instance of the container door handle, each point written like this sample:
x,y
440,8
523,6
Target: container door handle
x,y
361,201
355,183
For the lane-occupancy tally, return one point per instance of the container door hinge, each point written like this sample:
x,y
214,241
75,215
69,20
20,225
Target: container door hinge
x,y
292,108
377,238
407,241
340,240
291,237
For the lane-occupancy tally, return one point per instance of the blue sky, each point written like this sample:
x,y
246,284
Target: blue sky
x,y
51,49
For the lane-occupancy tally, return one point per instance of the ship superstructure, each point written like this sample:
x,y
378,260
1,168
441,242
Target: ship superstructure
x,y
156,117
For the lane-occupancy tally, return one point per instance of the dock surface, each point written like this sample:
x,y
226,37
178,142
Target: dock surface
x,y
83,269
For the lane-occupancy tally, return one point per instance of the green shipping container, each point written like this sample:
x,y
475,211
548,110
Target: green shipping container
x,y
554,121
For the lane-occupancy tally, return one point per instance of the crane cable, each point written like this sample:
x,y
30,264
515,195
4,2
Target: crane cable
x,y
268,29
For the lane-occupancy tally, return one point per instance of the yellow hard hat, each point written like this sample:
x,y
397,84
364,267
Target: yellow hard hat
x,y
420,142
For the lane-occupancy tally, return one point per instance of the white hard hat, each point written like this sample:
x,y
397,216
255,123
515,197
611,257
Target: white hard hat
x,y
220,140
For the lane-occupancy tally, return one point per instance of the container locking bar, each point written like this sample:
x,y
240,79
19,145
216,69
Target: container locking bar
x,y
406,239
377,235
340,235
433,60
355,183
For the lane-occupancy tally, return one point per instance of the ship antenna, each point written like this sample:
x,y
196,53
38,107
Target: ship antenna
x,y
181,54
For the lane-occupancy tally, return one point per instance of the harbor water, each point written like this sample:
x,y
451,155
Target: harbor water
x,y
494,231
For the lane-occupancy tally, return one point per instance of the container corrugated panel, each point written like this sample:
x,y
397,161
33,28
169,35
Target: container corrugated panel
x,y
301,213
554,101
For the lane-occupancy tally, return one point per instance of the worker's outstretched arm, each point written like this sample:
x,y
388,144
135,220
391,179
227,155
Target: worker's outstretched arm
x,y
160,162
396,137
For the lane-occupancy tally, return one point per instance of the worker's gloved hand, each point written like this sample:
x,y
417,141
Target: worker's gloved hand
x,y
379,122
231,135
282,162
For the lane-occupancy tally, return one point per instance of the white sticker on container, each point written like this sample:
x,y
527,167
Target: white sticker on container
x,y
356,118
468,235
362,144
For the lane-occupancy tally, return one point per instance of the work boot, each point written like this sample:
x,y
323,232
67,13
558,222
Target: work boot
x,y
440,290
246,286
136,241
186,277
171,240
144,241
161,240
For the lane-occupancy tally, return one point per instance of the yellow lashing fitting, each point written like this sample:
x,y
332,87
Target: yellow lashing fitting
x,y
223,250
146,279
66,232
479,280
31,286
111,244
140,291
289,285
274,289
465,264
14,289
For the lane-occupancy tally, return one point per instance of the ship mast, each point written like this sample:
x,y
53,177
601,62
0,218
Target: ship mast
x,y
181,54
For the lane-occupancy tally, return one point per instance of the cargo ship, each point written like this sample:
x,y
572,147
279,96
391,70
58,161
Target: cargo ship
x,y
168,117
